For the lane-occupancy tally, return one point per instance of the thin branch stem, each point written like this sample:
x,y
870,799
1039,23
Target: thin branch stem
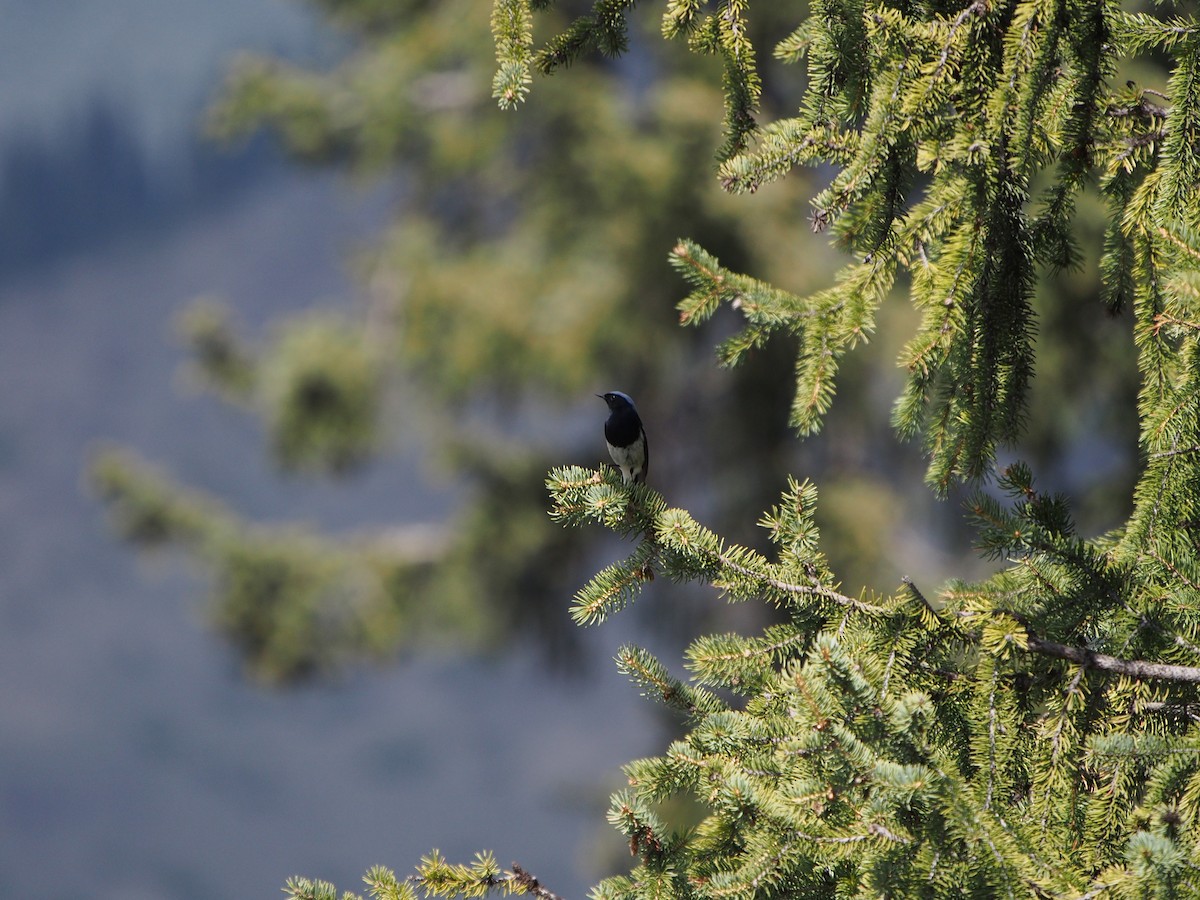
x,y
530,885
516,881
1177,451
809,590
1134,668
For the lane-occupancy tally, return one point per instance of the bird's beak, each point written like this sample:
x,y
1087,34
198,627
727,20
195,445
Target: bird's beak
x,y
601,396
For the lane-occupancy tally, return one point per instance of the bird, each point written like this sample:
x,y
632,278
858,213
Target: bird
x,y
626,437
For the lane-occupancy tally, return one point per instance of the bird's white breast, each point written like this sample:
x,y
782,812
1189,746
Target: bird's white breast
x,y
630,459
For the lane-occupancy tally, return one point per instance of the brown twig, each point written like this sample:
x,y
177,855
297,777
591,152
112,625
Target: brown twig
x,y
1134,668
530,885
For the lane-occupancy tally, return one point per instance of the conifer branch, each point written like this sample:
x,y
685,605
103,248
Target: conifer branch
x,y
1177,451
438,878
978,8
512,28
523,882
1133,668
1189,710
814,589
1166,564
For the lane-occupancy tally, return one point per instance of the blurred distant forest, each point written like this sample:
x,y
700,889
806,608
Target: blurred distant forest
x,y
524,271
59,192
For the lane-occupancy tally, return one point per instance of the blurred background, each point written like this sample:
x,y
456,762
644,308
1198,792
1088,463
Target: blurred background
x,y
288,342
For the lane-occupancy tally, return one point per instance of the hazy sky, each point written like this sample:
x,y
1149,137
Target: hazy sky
x,y
157,59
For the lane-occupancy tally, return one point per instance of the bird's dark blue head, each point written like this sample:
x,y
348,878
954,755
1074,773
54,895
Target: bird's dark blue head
x,y
617,400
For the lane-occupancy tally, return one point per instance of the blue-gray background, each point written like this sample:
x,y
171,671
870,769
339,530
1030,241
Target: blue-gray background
x,y
135,762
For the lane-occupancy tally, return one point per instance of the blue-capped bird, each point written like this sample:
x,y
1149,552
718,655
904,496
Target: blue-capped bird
x,y
626,437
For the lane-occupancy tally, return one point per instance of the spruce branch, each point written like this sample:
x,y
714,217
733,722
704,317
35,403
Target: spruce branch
x,y
523,882
1133,668
630,815
1188,710
1139,31
975,9
782,146
655,681
614,587
679,546
680,17
794,588
512,28
605,31
438,878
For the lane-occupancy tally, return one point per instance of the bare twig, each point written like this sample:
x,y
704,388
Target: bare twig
x,y
530,885
1134,668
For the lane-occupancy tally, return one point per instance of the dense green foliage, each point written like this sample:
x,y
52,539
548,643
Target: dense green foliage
x,y
1031,734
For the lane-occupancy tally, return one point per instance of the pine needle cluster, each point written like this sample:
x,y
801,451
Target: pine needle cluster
x,y
904,746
